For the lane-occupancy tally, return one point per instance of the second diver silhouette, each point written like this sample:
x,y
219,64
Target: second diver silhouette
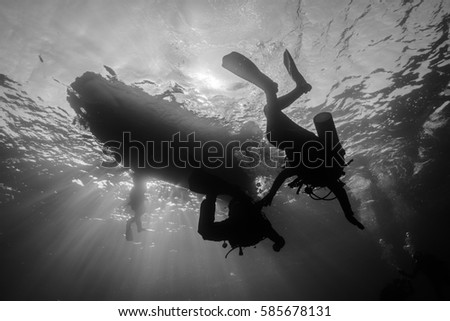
x,y
245,226
299,144
137,204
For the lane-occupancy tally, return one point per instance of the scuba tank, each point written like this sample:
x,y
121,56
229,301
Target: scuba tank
x,y
334,153
334,159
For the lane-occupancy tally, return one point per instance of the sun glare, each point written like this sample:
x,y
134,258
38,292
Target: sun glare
x,y
207,80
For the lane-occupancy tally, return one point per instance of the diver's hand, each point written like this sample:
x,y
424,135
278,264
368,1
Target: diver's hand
x,y
354,221
279,245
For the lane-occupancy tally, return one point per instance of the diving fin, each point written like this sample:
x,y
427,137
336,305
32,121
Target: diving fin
x,y
243,67
293,71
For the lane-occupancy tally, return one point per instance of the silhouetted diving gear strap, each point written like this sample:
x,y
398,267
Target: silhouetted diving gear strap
x,y
310,191
318,177
241,252
241,247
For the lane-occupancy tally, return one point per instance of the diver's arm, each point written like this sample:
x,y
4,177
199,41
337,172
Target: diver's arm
x,y
338,189
207,214
276,238
285,174
207,227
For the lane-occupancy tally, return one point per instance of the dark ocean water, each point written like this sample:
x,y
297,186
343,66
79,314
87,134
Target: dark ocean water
x,y
381,67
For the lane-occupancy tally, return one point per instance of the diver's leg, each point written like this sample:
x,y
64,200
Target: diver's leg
x,y
338,189
276,238
128,231
138,220
285,101
137,199
302,87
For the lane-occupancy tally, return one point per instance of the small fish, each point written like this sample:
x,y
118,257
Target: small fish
x,y
110,70
143,82
40,58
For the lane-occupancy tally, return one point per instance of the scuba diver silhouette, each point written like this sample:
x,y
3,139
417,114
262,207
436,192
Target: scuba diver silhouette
x,y
246,224
305,154
137,204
